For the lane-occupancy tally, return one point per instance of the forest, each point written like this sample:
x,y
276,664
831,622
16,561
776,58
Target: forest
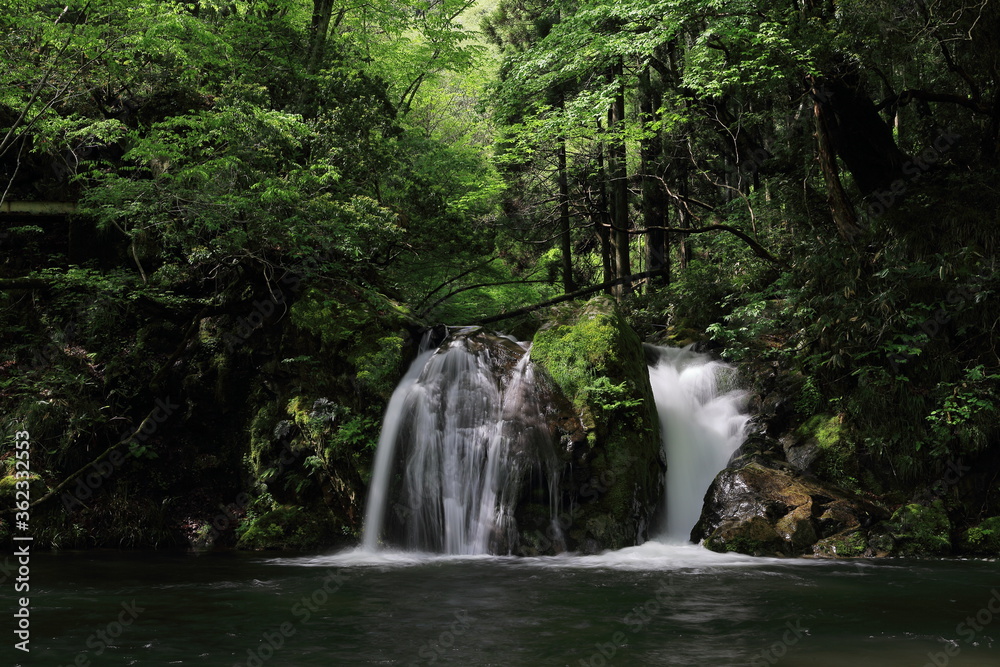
x,y
226,225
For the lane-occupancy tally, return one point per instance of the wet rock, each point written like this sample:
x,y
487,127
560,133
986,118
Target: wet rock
x,y
764,509
757,448
606,424
802,456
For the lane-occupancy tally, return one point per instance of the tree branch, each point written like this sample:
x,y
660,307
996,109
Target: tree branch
x,y
447,296
905,97
569,297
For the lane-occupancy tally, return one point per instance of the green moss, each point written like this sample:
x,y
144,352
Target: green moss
x,y
825,429
739,544
262,435
598,362
573,354
836,460
289,527
843,545
921,530
984,538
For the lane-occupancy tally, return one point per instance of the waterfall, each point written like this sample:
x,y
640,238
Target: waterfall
x,y
466,427
465,441
702,423
379,490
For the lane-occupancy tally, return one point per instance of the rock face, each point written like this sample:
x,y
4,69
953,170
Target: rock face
x,y
553,450
605,421
764,509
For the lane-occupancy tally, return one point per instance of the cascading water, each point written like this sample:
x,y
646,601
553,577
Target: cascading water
x,y
379,491
466,431
467,428
702,423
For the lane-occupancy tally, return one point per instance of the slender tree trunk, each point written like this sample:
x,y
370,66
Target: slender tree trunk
x,y
654,210
603,222
683,216
565,237
618,173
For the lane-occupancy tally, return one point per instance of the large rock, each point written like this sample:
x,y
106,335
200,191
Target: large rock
x,y
608,433
768,510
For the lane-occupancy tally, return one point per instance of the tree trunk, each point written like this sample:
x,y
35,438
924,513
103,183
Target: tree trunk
x,y
683,216
565,237
618,173
654,210
840,206
856,133
603,221
322,12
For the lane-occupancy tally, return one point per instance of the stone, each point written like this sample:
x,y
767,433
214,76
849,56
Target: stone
x,y
765,509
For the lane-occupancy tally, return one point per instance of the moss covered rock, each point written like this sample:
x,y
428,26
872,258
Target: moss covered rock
x,y
983,539
608,427
919,530
847,544
819,447
290,528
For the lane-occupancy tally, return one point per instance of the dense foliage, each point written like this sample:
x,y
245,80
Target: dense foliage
x,y
273,196
812,184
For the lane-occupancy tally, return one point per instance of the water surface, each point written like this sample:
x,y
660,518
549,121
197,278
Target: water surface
x,y
648,605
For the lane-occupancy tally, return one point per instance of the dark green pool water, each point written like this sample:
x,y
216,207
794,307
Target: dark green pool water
x,y
652,605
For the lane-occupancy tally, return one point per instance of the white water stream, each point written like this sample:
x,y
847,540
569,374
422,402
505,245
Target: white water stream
x,y
702,422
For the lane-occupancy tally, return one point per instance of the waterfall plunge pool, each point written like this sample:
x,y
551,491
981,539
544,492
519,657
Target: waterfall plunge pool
x,y
649,605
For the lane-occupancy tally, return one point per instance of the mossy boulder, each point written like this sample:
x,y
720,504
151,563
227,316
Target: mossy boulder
x,y
607,425
770,510
818,446
290,528
983,539
919,530
847,544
